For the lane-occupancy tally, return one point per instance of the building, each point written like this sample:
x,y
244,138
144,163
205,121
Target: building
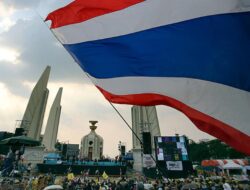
x,y
146,125
92,144
70,151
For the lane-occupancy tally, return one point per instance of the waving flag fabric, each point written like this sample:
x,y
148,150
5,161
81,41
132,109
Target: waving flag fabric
x,y
192,55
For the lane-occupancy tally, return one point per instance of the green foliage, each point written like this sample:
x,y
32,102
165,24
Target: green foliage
x,y
213,149
4,149
58,146
198,151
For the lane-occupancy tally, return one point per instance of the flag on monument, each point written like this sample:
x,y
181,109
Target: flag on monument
x,y
192,55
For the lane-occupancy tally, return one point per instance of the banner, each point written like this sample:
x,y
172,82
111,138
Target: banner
x,y
148,162
174,165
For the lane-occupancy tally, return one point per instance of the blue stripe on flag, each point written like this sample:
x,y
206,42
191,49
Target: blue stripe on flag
x,y
214,48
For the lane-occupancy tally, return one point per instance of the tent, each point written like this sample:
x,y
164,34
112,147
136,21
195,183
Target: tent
x,y
20,140
232,165
222,163
247,167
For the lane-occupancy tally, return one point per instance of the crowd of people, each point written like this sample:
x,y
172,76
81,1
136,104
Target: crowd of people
x,y
33,181
83,182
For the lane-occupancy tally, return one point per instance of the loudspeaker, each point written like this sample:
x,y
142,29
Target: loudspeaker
x,y
19,132
123,150
147,146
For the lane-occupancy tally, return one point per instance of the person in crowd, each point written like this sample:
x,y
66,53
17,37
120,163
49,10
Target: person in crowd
x,y
226,185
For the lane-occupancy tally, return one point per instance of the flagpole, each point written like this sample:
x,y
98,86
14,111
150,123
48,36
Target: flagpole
x,y
126,122
158,168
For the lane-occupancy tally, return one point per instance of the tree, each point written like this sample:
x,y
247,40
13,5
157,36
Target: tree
x,y
213,149
198,151
217,149
58,146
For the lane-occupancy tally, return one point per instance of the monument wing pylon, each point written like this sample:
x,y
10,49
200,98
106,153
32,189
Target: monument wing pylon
x,y
33,117
50,135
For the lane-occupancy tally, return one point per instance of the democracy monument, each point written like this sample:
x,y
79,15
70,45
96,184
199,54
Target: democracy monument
x,y
91,144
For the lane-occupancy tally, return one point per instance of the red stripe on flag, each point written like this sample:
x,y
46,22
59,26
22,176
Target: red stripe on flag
x,y
206,123
82,10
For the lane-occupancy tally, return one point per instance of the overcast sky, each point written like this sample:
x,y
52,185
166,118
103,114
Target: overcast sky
x,y
27,46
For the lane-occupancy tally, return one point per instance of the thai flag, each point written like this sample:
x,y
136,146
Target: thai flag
x,y
192,55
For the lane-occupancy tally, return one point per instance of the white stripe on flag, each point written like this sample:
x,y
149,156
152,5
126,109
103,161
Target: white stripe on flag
x,y
142,16
227,104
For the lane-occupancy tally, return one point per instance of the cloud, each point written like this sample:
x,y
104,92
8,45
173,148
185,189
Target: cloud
x,y
9,55
24,4
11,108
37,48
6,24
5,17
47,6
5,10
42,7
31,44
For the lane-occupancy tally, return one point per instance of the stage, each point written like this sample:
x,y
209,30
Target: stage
x,y
111,168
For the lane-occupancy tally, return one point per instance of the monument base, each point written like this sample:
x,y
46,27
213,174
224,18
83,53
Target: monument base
x,y
33,155
137,156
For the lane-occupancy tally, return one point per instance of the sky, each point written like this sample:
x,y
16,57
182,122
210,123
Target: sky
x,y
27,46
